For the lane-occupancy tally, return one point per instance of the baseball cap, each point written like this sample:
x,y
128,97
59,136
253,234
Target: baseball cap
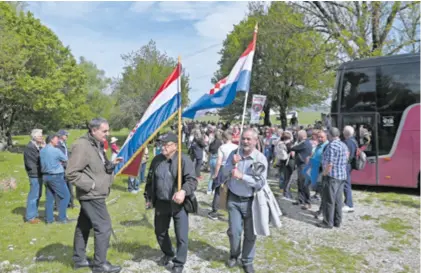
x,y
63,133
169,137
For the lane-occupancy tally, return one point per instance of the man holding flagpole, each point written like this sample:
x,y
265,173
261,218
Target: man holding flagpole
x,y
161,192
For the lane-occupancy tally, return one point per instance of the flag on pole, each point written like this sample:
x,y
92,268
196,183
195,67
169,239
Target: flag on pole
x,y
163,106
238,80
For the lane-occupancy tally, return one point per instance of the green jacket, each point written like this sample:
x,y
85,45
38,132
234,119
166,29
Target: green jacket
x,y
89,169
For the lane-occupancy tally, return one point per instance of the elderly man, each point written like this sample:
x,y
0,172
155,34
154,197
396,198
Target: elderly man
x,y
248,169
335,161
161,192
33,170
52,161
302,153
352,145
62,145
92,173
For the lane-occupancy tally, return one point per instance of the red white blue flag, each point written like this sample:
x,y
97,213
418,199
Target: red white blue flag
x,y
238,80
162,108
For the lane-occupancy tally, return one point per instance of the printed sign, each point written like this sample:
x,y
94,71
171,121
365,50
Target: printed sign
x,y
388,121
257,105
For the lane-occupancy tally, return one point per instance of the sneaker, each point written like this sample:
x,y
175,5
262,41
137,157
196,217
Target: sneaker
x,y
34,221
134,192
347,209
209,192
213,215
232,262
165,260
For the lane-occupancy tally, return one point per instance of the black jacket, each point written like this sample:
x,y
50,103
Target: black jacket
x,y
32,160
62,148
302,151
188,182
196,149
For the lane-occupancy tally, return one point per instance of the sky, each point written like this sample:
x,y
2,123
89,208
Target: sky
x,y
102,31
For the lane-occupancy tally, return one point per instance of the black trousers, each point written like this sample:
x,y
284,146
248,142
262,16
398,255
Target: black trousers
x,y
287,170
198,166
93,214
164,211
333,194
303,189
72,196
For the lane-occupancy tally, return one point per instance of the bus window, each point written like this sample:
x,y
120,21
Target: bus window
x,y
388,125
399,87
359,90
364,131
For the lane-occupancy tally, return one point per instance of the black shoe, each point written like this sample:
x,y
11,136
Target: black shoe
x,y
248,268
337,226
322,225
232,262
177,269
317,214
165,260
82,264
213,215
67,221
106,268
296,203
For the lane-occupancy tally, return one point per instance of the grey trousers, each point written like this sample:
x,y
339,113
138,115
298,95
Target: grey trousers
x,y
93,214
240,214
332,201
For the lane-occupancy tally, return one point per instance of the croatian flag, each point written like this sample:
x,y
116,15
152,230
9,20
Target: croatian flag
x,y
237,80
163,106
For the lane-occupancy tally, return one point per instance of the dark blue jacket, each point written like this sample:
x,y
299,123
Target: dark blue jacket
x,y
302,151
351,143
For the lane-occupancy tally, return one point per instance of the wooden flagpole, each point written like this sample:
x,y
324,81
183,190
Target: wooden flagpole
x,y
180,175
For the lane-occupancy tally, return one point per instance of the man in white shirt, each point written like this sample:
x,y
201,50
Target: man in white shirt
x,y
223,152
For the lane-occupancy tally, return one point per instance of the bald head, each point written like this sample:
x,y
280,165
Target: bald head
x,y
334,132
302,135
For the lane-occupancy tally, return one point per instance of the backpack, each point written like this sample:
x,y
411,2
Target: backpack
x,y
281,151
360,159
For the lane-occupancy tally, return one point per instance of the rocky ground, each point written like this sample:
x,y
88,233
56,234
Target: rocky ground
x,y
382,235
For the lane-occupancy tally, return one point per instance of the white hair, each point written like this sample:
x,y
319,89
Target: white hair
x,y
36,133
348,131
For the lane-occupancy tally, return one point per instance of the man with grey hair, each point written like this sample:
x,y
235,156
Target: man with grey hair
x,y
352,145
33,169
247,169
92,174
302,152
335,160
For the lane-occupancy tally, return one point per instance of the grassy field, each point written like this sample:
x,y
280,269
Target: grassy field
x,y
304,118
48,248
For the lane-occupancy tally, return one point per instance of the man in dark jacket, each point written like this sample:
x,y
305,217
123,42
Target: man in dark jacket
x,y
33,169
92,174
161,192
302,153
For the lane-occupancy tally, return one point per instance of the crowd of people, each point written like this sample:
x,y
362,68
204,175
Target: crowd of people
x,y
238,161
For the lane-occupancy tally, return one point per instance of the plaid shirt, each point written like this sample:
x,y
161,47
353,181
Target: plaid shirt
x,y
336,153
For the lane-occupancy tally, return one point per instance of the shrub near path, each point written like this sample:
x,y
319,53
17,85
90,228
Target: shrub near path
x,y
381,236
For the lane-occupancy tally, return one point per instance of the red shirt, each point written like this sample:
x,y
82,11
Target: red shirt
x,y
105,145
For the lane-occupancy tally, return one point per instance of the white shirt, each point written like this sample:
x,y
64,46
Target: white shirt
x,y
225,150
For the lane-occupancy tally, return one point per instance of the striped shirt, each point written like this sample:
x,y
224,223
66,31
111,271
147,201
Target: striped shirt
x,y
336,153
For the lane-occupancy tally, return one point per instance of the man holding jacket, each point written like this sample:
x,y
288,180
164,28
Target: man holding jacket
x,y
161,192
92,174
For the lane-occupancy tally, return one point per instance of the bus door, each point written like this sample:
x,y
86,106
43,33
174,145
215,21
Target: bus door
x,y
365,126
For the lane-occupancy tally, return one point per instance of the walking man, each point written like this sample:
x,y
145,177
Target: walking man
x,y
33,170
52,160
245,180
352,145
92,173
302,153
161,192
335,160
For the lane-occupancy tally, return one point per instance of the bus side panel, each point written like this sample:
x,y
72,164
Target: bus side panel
x,y
366,176
401,169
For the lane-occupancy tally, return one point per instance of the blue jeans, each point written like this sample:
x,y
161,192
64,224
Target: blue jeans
x,y
239,212
142,173
212,164
347,188
34,195
133,184
55,184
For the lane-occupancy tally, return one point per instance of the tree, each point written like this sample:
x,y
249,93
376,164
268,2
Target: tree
x,y
145,71
40,82
289,64
99,103
364,29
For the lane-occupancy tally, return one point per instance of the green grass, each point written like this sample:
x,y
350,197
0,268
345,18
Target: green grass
x,y
337,259
394,249
396,226
391,199
367,218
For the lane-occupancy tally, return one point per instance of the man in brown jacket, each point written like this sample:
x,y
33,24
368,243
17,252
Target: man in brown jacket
x,y
92,174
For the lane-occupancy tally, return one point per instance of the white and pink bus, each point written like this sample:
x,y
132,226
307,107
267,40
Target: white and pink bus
x,y
380,97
